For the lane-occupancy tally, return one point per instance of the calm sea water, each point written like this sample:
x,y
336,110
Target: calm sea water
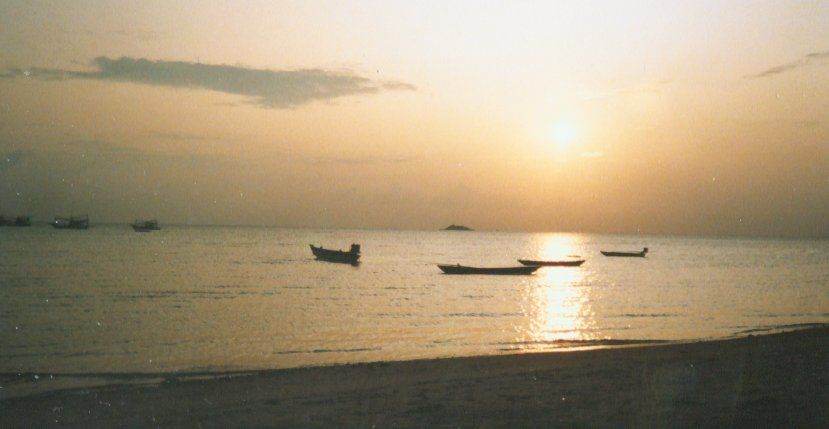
x,y
217,299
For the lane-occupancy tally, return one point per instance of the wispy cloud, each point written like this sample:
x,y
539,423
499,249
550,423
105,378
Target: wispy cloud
x,y
189,137
268,88
814,58
368,160
395,85
593,94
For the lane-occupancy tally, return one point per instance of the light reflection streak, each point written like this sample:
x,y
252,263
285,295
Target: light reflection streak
x,y
558,305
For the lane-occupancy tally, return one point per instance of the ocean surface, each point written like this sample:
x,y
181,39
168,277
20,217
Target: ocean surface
x,y
109,300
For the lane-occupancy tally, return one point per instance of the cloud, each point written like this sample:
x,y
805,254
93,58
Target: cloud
x,y
368,160
593,95
395,85
189,137
810,59
268,88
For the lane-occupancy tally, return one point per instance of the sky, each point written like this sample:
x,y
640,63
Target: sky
x,y
664,117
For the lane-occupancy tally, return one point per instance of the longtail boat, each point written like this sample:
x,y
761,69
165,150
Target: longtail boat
x,y
461,269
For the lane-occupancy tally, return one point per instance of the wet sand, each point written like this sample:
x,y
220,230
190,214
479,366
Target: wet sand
x,y
776,380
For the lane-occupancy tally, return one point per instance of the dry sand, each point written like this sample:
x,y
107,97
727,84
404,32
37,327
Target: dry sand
x,y
778,380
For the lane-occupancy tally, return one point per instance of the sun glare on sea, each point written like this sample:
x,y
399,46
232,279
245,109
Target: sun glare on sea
x,y
558,307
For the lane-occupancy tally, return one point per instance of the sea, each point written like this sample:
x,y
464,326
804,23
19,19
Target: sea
x,y
189,299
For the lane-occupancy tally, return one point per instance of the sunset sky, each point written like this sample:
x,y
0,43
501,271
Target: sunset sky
x,y
650,117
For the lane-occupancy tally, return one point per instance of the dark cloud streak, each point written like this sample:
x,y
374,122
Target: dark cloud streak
x,y
809,59
268,88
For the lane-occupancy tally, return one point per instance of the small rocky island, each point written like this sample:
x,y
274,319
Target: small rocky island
x,y
454,227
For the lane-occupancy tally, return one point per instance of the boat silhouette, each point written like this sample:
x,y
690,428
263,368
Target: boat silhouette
x,y
328,255
462,269
626,254
73,222
530,262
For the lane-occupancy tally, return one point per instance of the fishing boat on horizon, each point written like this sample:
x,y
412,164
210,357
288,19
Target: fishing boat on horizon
x,y
73,222
145,225
340,256
462,269
626,254
530,262
18,221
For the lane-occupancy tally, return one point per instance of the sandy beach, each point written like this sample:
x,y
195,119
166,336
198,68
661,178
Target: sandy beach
x,y
775,380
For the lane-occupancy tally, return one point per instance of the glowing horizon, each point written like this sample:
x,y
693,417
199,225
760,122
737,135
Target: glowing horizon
x,y
638,117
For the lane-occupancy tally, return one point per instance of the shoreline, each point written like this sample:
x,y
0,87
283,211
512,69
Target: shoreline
x,y
26,383
776,378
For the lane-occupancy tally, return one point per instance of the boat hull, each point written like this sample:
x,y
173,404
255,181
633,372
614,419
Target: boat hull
x,y
145,226
71,223
460,269
337,256
624,254
529,262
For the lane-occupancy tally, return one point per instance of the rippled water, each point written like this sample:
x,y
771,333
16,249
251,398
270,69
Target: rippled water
x,y
209,298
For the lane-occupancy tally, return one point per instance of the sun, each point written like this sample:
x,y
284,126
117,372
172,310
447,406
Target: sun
x,y
564,133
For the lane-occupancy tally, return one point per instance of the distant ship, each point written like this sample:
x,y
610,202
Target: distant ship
x,y
454,227
18,221
145,225
74,222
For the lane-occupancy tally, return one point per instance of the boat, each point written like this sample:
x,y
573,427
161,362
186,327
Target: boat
x,y
145,225
461,269
530,262
328,255
627,254
74,222
18,221
454,227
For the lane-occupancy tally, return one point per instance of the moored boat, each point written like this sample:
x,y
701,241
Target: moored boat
x,y
328,255
74,222
145,225
530,262
18,221
462,269
626,254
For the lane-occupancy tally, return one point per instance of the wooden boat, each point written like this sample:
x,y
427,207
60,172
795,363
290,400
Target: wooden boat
x,y
18,221
145,225
627,254
340,256
461,269
530,262
74,222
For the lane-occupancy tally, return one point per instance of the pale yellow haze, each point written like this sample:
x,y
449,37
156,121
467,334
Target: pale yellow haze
x,y
641,117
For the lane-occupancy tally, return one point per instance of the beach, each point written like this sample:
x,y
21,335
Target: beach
x,y
774,380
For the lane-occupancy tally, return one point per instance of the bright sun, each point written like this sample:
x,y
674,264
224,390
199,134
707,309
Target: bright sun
x,y
564,133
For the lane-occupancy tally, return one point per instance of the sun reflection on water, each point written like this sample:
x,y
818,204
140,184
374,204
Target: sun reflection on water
x,y
557,302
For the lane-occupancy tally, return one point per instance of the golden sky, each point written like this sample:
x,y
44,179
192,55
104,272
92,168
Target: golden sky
x,y
652,117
